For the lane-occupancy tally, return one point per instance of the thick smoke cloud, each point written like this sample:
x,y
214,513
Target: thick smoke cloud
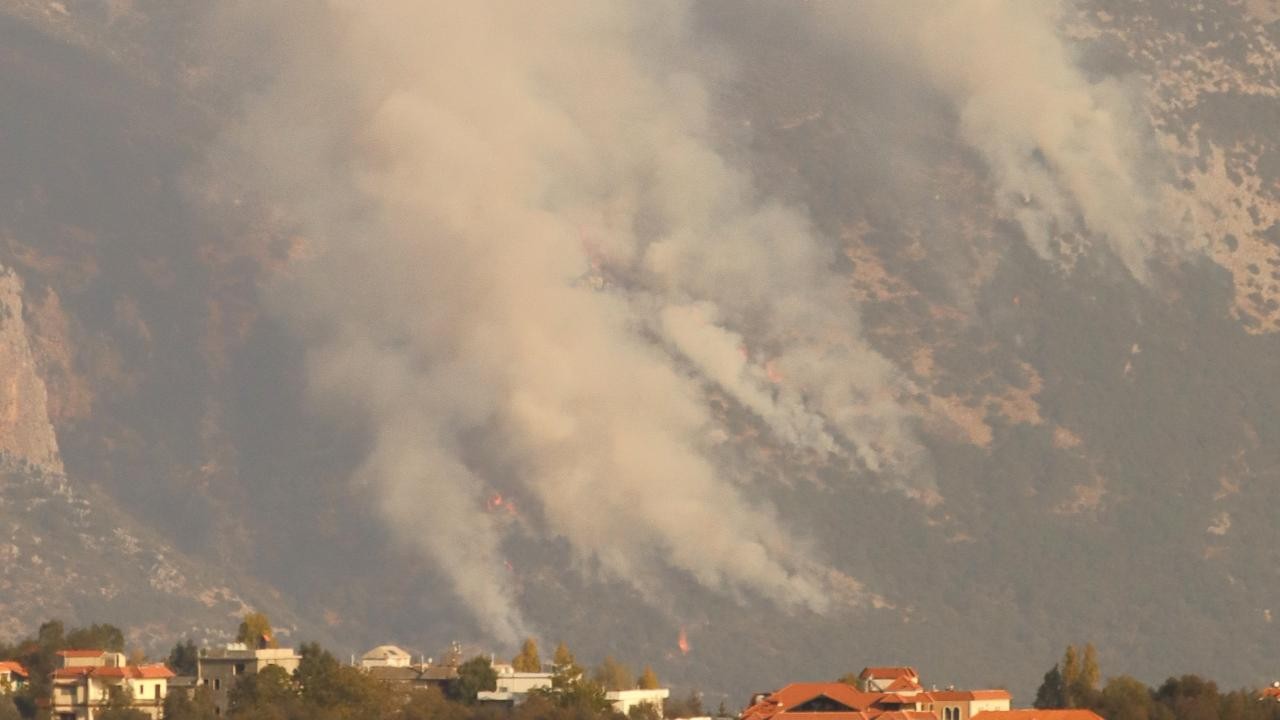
x,y
530,264
1070,156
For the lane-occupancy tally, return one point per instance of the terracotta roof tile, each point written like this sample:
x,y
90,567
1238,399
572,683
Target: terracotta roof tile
x,y
1028,714
14,667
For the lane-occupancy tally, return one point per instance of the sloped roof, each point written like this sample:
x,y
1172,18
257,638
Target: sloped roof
x,y
797,694
157,671
1030,714
903,683
14,667
384,651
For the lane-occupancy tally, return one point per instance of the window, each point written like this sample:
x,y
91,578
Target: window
x,y
217,683
238,669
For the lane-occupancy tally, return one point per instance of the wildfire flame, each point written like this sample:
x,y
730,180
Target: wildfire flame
x,y
683,641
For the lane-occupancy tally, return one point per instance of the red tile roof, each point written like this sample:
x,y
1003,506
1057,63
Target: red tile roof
x,y
156,671
863,705
1272,692
1073,714
14,667
903,683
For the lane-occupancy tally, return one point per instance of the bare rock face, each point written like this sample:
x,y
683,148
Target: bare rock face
x,y
25,431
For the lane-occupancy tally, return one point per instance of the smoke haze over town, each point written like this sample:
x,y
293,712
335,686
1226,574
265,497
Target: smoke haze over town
x,y
733,335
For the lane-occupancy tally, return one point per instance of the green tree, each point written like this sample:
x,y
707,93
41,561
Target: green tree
x,y
565,671
613,675
1070,675
1083,688
474,675
648,679
527,660
270,686
96,637
1126,698
1052,692
179,705
184,657
255,631
1189,697
431,704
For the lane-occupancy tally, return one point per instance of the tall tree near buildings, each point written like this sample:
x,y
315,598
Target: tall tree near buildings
x,y
1052,693
648,679
255,631
184,657
198,706
1126,698
527,660
613,675
1083,690
98,636
474,675
565,669
1070,675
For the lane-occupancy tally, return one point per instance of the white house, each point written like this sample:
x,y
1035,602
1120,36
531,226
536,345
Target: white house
x,y
512,686
624,700
386,656
85,680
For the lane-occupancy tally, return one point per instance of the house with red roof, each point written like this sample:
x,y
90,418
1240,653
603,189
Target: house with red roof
x,y
886,693
12,676
85,680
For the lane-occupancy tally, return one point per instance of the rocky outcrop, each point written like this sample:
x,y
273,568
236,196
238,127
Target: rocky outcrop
x,y
26,435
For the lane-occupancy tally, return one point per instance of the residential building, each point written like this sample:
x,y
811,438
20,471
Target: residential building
x,y
386,656
219,669
889,679
513,687
12,676
964,704
888,693
624,700
415,676
85,680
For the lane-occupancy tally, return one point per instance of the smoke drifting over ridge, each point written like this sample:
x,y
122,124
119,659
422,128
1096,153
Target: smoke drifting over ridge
x,y
532,263
1071,157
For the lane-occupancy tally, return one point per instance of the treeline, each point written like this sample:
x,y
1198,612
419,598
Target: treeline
x,y
322,688
1075,682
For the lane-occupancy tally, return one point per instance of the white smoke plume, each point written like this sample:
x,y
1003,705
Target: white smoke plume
x,y
526,246
1068,154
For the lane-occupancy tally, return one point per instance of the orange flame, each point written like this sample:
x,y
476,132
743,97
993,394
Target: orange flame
x,y
683,641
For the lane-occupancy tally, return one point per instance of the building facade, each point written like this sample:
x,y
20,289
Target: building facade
x,y
85,681
13,676
219,669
